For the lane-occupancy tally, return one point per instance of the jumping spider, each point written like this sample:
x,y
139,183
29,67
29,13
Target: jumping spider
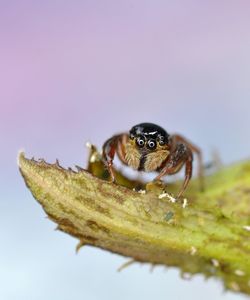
x,y
148,147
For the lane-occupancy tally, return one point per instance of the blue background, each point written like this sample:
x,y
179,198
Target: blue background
x,y
77,71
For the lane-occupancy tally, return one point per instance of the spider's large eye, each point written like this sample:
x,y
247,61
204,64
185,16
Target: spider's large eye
x,y
151,144
140,142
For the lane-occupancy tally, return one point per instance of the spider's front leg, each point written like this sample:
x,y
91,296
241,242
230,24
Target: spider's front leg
x,y
180,139
109,148
181,155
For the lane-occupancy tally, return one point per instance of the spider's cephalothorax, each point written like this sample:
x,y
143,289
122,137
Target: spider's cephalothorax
x,y
148,147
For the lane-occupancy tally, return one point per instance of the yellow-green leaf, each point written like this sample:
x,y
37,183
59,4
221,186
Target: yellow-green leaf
x,y
206,233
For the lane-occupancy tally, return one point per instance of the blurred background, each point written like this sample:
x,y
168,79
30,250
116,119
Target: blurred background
x,y
77,71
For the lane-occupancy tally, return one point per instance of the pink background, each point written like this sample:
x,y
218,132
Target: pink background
x,y
73,71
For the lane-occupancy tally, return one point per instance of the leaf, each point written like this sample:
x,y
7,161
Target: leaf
x,y
208,233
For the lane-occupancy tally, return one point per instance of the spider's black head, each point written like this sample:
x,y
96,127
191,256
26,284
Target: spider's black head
x,y
150,135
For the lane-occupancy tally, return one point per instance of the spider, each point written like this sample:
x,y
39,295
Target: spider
x,y
148,147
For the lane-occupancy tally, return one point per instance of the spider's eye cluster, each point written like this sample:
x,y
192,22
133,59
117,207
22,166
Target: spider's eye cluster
x,y
149,135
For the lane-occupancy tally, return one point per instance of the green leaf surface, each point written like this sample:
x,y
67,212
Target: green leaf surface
x,y
206,233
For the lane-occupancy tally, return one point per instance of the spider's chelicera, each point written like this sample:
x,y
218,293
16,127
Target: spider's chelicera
x,y
148,147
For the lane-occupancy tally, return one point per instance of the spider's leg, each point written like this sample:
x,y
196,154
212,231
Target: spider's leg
x,y
109,148
180,139
180,156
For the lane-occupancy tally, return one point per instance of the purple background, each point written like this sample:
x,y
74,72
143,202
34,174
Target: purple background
x,y
77,71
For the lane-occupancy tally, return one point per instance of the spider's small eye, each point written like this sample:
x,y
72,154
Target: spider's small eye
x,y
131,136
140,142
161,141
151,144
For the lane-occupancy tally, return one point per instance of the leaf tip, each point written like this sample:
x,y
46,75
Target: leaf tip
x,y
20,157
